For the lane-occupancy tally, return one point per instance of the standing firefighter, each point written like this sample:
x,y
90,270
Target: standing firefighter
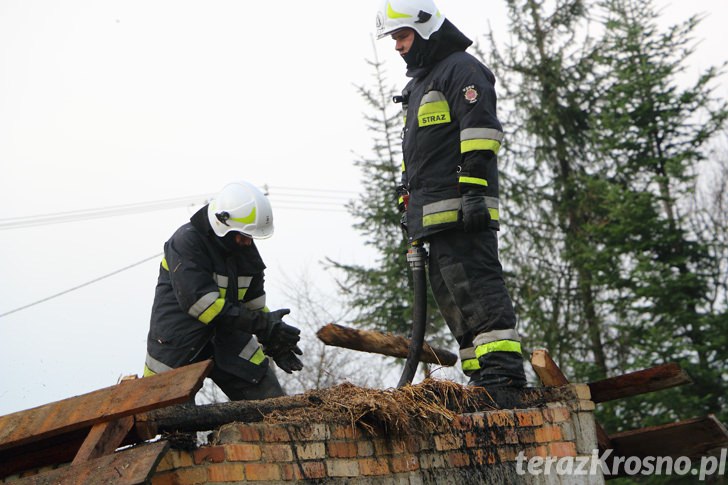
x,y
210,299
449,189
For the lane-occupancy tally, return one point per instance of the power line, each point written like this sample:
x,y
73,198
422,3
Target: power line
x,y
95,280
301,197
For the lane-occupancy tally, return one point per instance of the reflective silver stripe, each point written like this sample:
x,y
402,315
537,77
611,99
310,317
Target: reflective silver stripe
x,y
244,281
441,206
432,97
480,134
468,353
493,335
256,303
492,202
250,349
222,281
156,366
203,304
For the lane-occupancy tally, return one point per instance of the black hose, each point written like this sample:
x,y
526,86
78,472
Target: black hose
x,y
417,257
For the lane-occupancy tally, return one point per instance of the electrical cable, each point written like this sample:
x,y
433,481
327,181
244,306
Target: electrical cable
x,y
95,280
306,201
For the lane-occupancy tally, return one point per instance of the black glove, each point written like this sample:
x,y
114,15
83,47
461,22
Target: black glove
x,y
285,358
274,330
476,216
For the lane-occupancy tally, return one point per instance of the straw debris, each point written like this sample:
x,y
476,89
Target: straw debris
x,y
410,409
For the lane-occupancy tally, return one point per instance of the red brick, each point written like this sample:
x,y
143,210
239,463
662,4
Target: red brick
x,y
562,448
471,439
176,477
557,415
344,432
529,418
249,432
373,466
225,472
276,434
448,442
462,422
277,453
213,454
243,452
483,457
174,459
500,418
548,433
506,454
412,444
457,459
478,420
313,469
262,471
540,450
526,435
342,449
290,472
405,463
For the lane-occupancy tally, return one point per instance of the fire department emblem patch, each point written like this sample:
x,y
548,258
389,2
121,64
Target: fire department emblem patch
x,y
471,94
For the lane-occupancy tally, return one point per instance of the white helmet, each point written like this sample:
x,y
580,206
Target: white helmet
x,y
420,15
241,207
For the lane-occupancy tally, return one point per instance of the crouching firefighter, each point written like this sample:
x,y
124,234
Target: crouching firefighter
x,y
450,142
210,299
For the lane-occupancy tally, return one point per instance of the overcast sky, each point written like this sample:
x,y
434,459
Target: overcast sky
x,y
114,103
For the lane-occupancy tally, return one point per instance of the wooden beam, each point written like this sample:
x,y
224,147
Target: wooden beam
x,y
640,382
125,399
129,467
551,376
548,372
104,439
689,438
381,343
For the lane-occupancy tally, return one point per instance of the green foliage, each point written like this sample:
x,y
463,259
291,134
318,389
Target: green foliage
x,y
610,270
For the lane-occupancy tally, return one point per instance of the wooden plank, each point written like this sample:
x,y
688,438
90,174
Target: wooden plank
x,y
551,376
640,382
129,467
124,399
548,372
103,439
381,343
691,438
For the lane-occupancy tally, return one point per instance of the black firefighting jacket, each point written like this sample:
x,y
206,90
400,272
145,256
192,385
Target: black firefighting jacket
x,y
451,137
200,290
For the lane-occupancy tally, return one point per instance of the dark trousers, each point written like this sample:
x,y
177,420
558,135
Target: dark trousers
x,y
466,278
239,390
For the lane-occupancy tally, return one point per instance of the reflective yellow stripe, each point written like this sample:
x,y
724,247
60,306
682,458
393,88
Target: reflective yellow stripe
x,y
258,357
403,169
212,311
479,144
440,218
164,264
498,346
433,113
249,219
393,14
474,181
494,214
148,372
241,293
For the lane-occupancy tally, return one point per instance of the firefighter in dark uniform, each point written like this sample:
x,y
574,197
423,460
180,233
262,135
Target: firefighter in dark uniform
x,y
210,299
451,138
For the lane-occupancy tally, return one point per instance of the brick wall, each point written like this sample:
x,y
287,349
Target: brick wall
x,y
479,447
